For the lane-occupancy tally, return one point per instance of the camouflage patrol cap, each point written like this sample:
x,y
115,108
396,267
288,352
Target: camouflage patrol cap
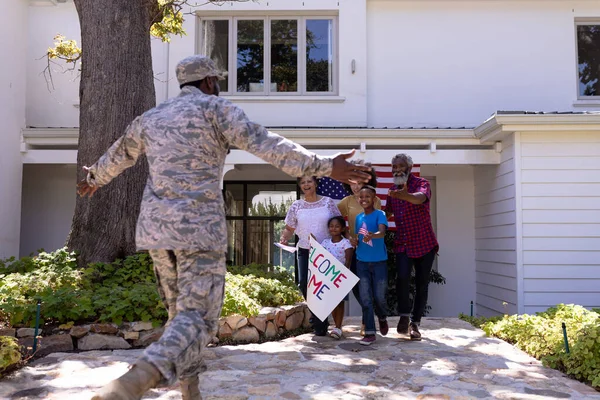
x,y
196,68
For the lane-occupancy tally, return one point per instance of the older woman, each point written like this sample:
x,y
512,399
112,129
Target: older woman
x,y
350,208
307,216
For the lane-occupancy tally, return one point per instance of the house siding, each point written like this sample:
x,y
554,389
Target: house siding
x,y
560,185
12,114
495,235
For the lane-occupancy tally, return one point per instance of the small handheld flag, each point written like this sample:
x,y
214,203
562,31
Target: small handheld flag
x,y
363,231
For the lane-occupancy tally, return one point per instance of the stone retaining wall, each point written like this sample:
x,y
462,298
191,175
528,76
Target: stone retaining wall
x,y
270,322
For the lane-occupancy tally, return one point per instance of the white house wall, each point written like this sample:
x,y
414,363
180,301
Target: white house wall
x,y
55,103
495,235
51,104
13,21
452,63
454,195
560,185
48,204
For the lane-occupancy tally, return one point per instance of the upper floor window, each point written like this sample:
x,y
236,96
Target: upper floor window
x,y
272,55
588,58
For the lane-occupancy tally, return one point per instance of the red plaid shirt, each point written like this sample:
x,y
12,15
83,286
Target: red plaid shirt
x,y
414,232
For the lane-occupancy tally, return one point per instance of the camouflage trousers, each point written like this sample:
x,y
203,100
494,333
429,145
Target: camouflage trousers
x,y
191,285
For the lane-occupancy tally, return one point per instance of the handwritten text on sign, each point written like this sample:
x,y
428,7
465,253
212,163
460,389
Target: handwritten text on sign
x,y
329,281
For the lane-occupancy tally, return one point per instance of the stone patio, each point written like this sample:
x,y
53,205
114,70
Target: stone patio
x,y
453,361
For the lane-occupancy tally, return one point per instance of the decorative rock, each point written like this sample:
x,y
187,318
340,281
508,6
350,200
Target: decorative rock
x,y
148,337
294,321
25,332
141,326
54,344
247,334
306,321
215,340
104,328
236,321
259,323
95,341
131,335
224,331
280,318
289,310
7,332
79,331
270,330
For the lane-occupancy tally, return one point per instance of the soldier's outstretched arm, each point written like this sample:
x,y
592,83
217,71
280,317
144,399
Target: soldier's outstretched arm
x,y
120,156
282,153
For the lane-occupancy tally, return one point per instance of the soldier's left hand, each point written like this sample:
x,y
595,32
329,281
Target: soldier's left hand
x,y
346,172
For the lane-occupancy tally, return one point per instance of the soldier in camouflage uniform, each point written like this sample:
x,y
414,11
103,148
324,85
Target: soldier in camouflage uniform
x,y
182,219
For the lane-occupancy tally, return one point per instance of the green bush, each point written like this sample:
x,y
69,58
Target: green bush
x,y
9,353
541,336
477,322
124,290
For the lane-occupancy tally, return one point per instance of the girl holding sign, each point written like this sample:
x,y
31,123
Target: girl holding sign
x,y
342,249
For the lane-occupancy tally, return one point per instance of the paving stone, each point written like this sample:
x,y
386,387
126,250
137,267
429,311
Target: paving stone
x,y
547,393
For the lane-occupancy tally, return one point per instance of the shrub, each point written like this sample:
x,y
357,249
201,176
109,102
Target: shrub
x,y
9,353
124,290
477,322
541,336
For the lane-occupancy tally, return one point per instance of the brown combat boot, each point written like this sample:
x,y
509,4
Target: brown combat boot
x,y
132,385
189,389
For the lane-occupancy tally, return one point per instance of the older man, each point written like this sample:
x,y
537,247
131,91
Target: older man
x,y
182,221
415,243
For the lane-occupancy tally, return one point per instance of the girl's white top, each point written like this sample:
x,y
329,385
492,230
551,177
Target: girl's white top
x,y
338,250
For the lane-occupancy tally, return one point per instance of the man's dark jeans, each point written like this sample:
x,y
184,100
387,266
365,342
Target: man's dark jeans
x,y
404,265
319,326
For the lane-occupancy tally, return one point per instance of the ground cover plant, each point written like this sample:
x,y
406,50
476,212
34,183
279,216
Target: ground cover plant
x,y
541,336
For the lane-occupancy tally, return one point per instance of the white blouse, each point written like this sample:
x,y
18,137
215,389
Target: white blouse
x,y
307,218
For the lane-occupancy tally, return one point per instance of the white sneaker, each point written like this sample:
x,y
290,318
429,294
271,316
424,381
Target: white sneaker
x,y
336,333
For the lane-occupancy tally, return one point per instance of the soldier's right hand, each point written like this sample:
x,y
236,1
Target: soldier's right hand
x,y
84,188
346,172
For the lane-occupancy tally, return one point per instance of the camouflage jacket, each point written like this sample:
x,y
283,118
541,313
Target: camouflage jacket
x,y
186,140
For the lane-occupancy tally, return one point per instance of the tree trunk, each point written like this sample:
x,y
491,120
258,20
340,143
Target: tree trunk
x,y
116,86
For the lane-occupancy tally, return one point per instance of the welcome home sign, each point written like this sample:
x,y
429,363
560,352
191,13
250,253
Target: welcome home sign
x,y
329,281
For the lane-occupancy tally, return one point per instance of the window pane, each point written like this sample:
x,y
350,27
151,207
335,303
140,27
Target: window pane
x,y
250,56
280,256
284,55
235,242
216,45
265,200
588,50
233,195
319,55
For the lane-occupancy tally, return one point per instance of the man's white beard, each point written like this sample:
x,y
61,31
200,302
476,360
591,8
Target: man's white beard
x,y
400,180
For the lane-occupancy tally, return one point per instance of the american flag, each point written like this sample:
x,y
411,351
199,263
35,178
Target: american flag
x,y
363,231
331,188
334,189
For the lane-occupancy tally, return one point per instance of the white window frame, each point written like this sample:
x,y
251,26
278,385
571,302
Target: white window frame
x,y
580,22
301,65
